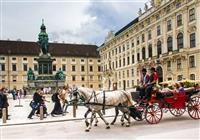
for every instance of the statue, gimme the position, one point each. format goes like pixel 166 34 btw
pixel 146 7
pixel 152 3
pixel 140 12
pixel 30 74
pixel 60 75
pixel 43 39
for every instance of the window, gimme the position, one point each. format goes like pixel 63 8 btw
pixel 169 44
pixel 158 30
pixel 91 59
pixel 128 60
pixel 124 61
pixel 169 25
pixel 138 56
pixel 14 67
pixel 132 44
pixel 192 76
pixel 133 59
pixel 143 38
pixel 63 59
pixel 150 50
pixel 99 68
pixel 178 62
pixel 132 72
pixel 123 74
pixel 25 59
pixel 35 59
pixel 123 48
pixel 192 40
pixel 113 65
pixel 73 68
pixel 127 45
pixel 25 67
pixel 82 68
pixel 2 67
pixel 143 53
pixel 191 61
pixel 116 64
pixel 119 75
pixel 127 83
pixel 179 20
pixel 159 48
pixel 2 58
pixel 91 86
pixel 120 63
pixel 63 67
pixel 127 72
pixel 91 77
pixel 138 40
pixel 99 77
pixel 73 60
pixel 54 67
pixel 168 65
pixel 82 78
pixel 180 41
pixel 192 14
pixel 35 67
pixel 179 77
pixel 13 58
pixel 82 60
pixel 83 85
pixel 98 60
pixel 149 35
pixel 14 78
pixel 73 78
pixel 91 68
pixel 119 49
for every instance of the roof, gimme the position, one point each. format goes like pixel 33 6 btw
pixel 55 49
pixel 127 26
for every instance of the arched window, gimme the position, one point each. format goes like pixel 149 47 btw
pixel 192 76
pixel 180 41
pixel 169 44
pixel 150 50
pixel 159 48
pixel 143 53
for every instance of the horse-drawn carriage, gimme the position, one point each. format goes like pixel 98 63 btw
pixel 152 109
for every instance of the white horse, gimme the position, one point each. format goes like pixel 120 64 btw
pixel 99 101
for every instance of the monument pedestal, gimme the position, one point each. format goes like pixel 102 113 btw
pixel 45 65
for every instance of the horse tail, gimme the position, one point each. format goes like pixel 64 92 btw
pixel 129 98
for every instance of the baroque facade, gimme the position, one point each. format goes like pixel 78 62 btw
pixel 80 63
pixel 166 36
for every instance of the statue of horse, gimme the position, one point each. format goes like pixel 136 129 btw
pixel 96 102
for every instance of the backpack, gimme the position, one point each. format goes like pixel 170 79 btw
pixel 53 97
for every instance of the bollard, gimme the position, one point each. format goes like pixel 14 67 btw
pixel 4 115
pixel 41 113
pixel 74 110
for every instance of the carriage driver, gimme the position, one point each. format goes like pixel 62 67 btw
pixel 152 81
pixel 144 82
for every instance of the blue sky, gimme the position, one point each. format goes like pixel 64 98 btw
pixel 78 21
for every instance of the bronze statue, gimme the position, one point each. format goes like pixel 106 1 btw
pixel 43 39
pixel 60 75
pixel 30 75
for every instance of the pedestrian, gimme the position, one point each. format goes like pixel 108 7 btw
pixel 35 103
pixel 42 103
pixel 4 101
pixel 144 81
pixel 57 110
pixel 13 92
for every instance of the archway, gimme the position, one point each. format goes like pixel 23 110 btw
pixel 159 71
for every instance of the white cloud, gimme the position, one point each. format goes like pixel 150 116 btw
pixel 77 21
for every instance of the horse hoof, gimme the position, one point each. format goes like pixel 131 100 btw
pixel 112 123
pixel 87 124
pixel 87 130
pixel 95 124
pixel 122 124
pixel 108 127
pixel 128 125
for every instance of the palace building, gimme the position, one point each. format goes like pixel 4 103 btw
pixel 165 35
pixel 80 63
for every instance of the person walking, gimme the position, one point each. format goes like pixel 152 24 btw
pixel 57 110
pixel 4 101
pixel 35 103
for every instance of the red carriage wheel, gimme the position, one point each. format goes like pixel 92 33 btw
pixel 194 107
pixel 153 114
pixel 177 111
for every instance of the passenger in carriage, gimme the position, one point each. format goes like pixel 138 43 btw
pixel 144 81
pixel 181 88
pixel 152 81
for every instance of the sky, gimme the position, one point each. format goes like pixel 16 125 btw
pixel 69 21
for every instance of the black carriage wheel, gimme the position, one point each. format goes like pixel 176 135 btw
pixel 141 109
pixel 153 114
pixel 194 108
pixel 177 111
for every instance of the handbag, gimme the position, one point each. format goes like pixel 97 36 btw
pixel 33 104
